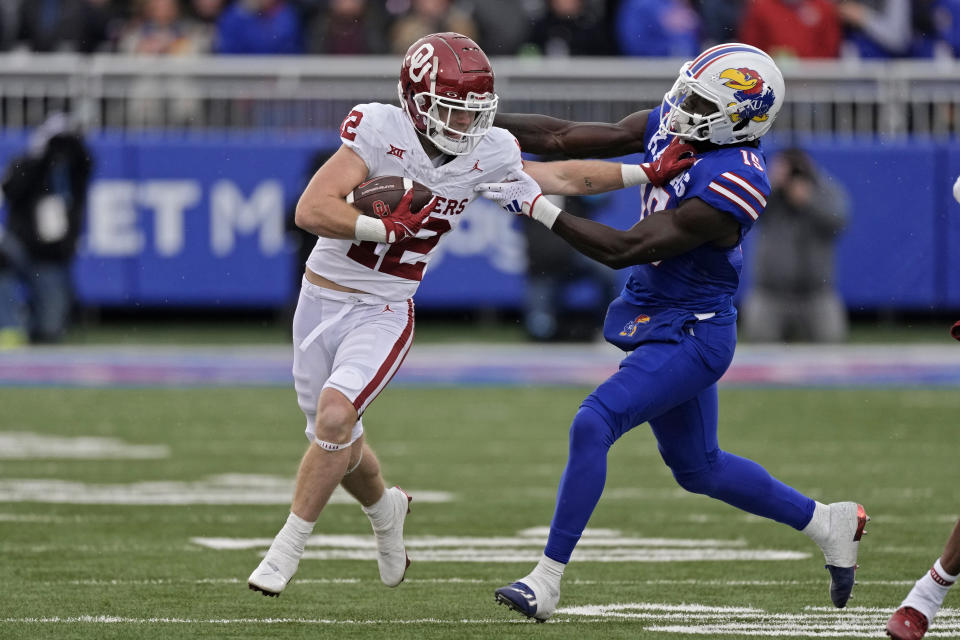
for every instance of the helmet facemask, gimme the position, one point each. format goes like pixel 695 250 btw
pixel 439 130
pixel 446 89
pixel 686 124
pixel 739 91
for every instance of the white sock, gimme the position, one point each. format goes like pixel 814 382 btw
pixel 292 537
pixel 818 529
pixel 380 512
pixel 928 592
pixel 549 570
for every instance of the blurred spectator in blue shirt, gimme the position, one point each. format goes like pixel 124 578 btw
pixel 947 20
pixel 259 27
pixel 889 28
pixel 571 28
pixel 664 28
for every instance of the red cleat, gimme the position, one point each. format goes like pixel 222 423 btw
pixel 907 623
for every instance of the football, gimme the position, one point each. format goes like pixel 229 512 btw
pixel 378 197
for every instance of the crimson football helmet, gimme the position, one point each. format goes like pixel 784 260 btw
pixel 447 71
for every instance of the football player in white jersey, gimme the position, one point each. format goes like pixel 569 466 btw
pixel 354 320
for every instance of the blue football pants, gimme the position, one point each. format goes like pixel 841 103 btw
pixel 673 387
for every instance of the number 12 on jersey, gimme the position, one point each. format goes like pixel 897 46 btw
pixel 389 262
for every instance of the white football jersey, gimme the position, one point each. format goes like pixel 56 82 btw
pixel 385 138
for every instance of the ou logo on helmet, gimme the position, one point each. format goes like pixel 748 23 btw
pixel 420 62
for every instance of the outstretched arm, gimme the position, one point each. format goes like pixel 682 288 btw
pixel 545 135
pixel 659 236
pixel 576 177
pixel 585 177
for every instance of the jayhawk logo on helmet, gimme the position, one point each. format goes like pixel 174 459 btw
pixel 750 92
pixel 743 84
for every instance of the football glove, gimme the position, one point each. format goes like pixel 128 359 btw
pixel 522 195
pixel 400 225
pixel 675 159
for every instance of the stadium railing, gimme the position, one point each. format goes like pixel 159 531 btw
pixel 120 93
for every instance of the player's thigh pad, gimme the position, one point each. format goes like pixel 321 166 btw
pixel 371 351
pixel 659 376
pixel 329 329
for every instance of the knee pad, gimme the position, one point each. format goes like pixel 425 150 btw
pixel 590 428
pixel 336 446
pixel 331 446
pixel 704 481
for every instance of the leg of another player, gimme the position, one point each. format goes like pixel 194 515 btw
pixel 921 605
pixel 387 510
pixel 652 379
pixel 321 470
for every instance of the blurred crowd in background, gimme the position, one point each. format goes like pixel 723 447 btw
pixel 675 28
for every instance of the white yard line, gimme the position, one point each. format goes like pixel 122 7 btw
pixel 95 582
pixel 688 618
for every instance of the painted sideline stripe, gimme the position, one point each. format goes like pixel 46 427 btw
pixel 219 489
pixel 30 517
pixel 323 621
pixel 516 555
pixel 816 622
pixel 458 542
pixel 476 364
pixel 647 583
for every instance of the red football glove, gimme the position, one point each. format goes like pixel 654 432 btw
pixel 670 163
pixel 404 223
pixel 955 330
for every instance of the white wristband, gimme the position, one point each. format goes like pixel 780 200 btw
pixel 633 174
pixel 544 211
pixel 370 229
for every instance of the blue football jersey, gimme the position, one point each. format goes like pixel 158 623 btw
pixel 704 280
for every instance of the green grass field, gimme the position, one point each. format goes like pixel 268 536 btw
pixel 486 461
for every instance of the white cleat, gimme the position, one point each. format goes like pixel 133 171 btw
pixel 273 574
pixel 847 521
pixel 392 558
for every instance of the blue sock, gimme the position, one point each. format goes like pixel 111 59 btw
pixel 746 485
pixel 581 484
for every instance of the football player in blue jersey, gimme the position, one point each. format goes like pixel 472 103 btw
pixel 675 316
